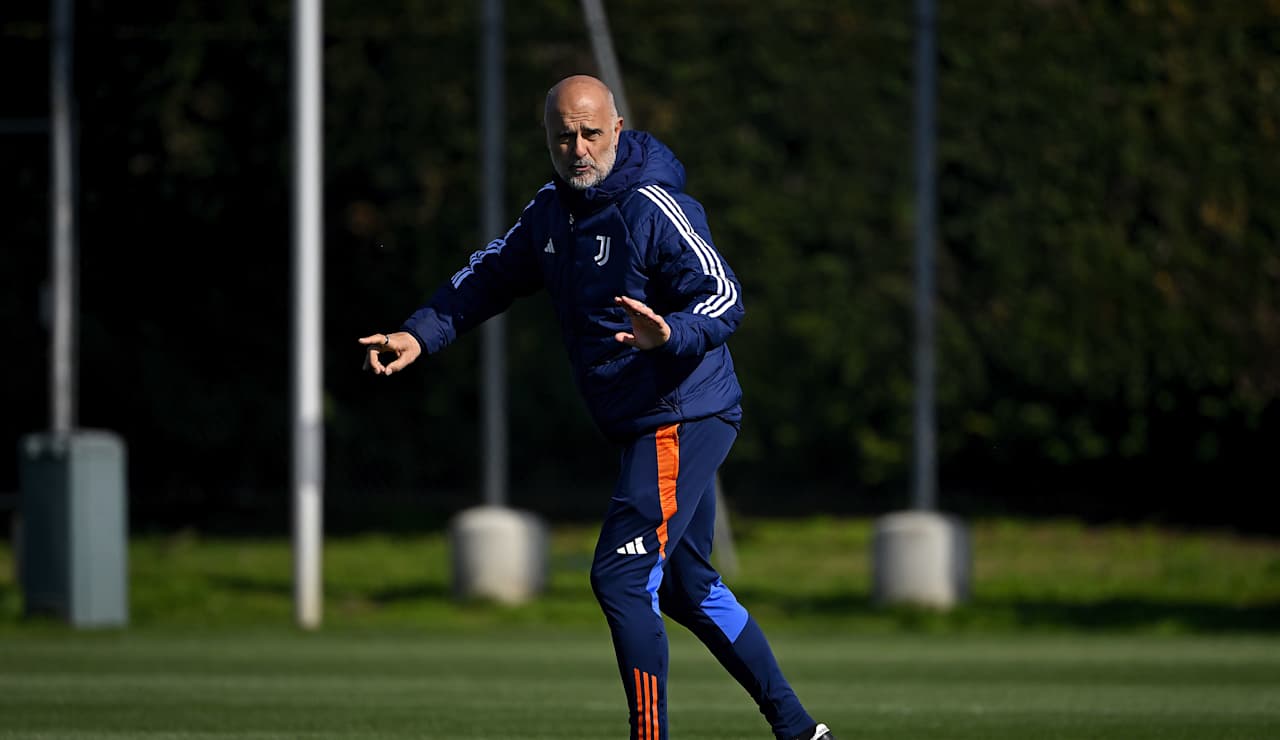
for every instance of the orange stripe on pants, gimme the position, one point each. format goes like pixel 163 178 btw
pixel 667 441
pixel 656 731
pixel 639 707
pixel 647 723
pixel 648 710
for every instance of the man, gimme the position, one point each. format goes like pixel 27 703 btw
pixel 645 304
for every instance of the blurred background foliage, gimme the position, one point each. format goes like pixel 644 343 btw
pixel 1108 261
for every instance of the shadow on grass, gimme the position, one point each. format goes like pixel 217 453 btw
pixel 1130 613
pixel 410 592
pixel 249 585
pixel 403 592
pixel 1114 614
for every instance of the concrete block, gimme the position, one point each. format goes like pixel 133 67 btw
pixel 73 549
pixel 499 554
pixel 920 558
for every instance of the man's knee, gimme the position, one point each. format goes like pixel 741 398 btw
pixel 608 581
pixel 597 581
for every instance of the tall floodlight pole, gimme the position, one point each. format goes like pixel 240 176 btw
pixel 62 267
pixel 493 340
pixel 925 481
pixel 308 308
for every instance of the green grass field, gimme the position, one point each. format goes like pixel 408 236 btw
pixel 1073 632
pixel 552 683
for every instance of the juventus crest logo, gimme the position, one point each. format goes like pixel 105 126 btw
pixel 602 256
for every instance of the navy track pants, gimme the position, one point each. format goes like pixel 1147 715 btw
pixel 654 557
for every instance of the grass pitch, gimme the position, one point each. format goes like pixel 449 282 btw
pixel 552 683
pixel 1078 632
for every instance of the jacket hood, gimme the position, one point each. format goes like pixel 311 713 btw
pixel 642 160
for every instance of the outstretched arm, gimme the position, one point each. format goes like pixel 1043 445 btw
pixel 492 278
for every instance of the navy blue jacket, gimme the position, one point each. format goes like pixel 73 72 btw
pixel 636 234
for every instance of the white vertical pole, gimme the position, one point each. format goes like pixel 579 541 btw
pixel 308 429
pixel 62 187
pixel 925 479
pixel 493 349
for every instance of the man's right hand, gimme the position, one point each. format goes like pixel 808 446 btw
pixel 401 344
pixel 648 329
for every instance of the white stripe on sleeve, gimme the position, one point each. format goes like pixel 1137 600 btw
pixel 492 247
pixel 726 294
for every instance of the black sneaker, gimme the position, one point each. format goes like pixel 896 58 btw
pixel 820 732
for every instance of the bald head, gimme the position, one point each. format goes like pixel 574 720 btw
pixel 582 126
pixel 578 91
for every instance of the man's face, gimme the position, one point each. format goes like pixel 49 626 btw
pixel 582 136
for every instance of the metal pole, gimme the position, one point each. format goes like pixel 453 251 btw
pixel 925 493
pixel 63 258
pixel 606 59
pixel 493 349
pixel 308 429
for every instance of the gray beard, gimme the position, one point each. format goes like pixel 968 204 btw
pixel 593 178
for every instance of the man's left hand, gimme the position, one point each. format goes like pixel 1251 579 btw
pixel 648 329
